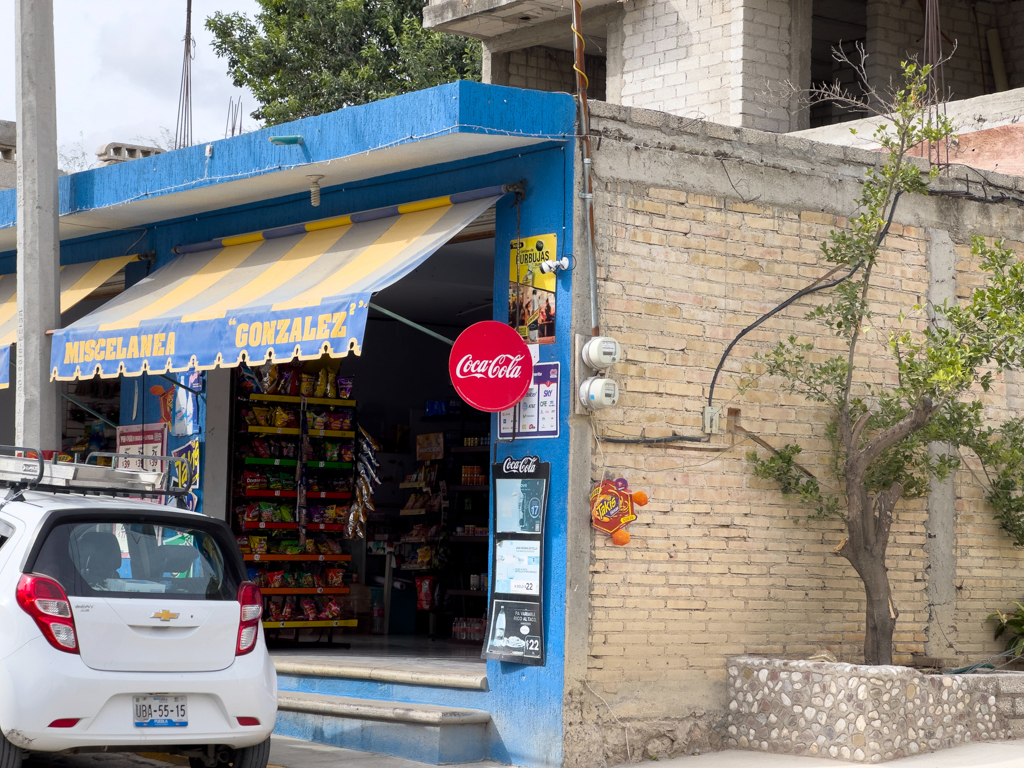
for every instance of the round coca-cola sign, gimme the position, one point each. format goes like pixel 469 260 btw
pixel 490 366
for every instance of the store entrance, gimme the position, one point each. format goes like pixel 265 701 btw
pixel 394 469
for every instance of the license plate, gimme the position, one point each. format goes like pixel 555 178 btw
pixel 160 711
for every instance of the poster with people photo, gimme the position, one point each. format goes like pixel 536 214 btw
pixel 531 294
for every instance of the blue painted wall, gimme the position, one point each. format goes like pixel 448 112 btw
pixel 525 702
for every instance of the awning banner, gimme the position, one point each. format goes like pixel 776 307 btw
pixel 262 297
pixel 77 281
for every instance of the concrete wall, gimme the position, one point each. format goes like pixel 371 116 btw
pixel 701 229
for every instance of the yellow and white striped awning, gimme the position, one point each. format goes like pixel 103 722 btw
pixel 300 291
pixel 77 281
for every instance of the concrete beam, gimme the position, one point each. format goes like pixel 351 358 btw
pixel 38 243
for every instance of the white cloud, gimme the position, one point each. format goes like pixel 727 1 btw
pixel 119 69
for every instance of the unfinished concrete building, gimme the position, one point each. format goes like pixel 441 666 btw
pixel 729 61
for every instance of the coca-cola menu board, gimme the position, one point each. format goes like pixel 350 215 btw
pixel 516 625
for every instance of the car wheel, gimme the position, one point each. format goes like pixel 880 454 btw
pixel 10 755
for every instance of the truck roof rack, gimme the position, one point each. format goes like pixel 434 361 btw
pixel 24 469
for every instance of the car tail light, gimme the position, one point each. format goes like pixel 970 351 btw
pixel 248 720
pixel 250 600
pixel 46 601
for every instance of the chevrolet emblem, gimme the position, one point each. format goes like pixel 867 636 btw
pixel 164 615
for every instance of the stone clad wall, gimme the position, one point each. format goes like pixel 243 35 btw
pixel 863 714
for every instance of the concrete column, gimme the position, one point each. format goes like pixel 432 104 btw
pixel 800 36
pixel 614 58
pixel 494 68
pixel 941 529
pixel 216 451
pixel 36 412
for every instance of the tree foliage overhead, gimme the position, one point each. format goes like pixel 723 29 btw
pixel 307 57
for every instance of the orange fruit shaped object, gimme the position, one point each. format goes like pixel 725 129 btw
pixel 620 537
pixel 611 505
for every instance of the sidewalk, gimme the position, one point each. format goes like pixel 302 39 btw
pixel 1002 754
pixel 294 753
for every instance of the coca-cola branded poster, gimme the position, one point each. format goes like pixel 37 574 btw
pixel 516 616
pixel 490 366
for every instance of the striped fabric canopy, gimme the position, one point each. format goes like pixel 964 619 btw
pixel 299 291
pixel 77 281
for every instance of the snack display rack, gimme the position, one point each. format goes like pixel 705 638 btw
pixel 294 477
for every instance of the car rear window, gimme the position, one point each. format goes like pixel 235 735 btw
pixel 136 560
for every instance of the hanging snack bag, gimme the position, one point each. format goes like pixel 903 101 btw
pixel 424 593
pixel 308 385
pixel 269 379
pixel 284 379
pixel 247 381
pixel 344 386
pixel 321 383
pixel 332 384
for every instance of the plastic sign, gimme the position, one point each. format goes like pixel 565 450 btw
pixel 490 366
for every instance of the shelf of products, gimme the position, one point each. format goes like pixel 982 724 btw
pixel 256 461
pixel 264 558
pixel 309 624
pixel 258 397
pixel 253 525
pixel 467 592
pixel 298 518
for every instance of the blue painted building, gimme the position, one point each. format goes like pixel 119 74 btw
pixel 435 144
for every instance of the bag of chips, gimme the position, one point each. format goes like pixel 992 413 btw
pixel 269 378
pixel 321 383
pixel 309 609
pixel 254 481
pixel 335 546
pixel 290 580
pixel 306 580
pixel 243 544
pixel 266 512
pixel 289 450
pixel 308 385
pixel 290 608
pixel 344 386
pixel 285 514
pixel 331 609
pixel 258 544
pixel 274 610
pixel 247 381
pixel 335 577
pixel 331 451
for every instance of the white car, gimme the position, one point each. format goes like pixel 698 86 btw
pixel 129 626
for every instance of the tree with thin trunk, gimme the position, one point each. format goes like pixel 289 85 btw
pixel 941 359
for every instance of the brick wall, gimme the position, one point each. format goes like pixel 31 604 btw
pixel 699 232
pixel 550 69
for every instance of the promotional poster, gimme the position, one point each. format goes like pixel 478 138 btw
pixel 516 617
pixel 531 294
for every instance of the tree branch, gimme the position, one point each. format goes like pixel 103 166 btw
pixel 909 424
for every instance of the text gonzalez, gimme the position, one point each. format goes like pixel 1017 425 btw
pixel 289 330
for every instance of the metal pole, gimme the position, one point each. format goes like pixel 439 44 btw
pixel 36 409
pixel 411 324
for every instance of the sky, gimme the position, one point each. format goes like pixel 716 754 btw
pixel 118 68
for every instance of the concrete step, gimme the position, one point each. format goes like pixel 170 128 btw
pixel 466 676
pixel 422 732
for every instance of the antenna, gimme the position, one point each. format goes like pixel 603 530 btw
pixel 233 126
pixel 183 128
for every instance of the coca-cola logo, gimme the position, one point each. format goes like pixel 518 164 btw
pixel 524 466
pixel 490 366
pixel 498 367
